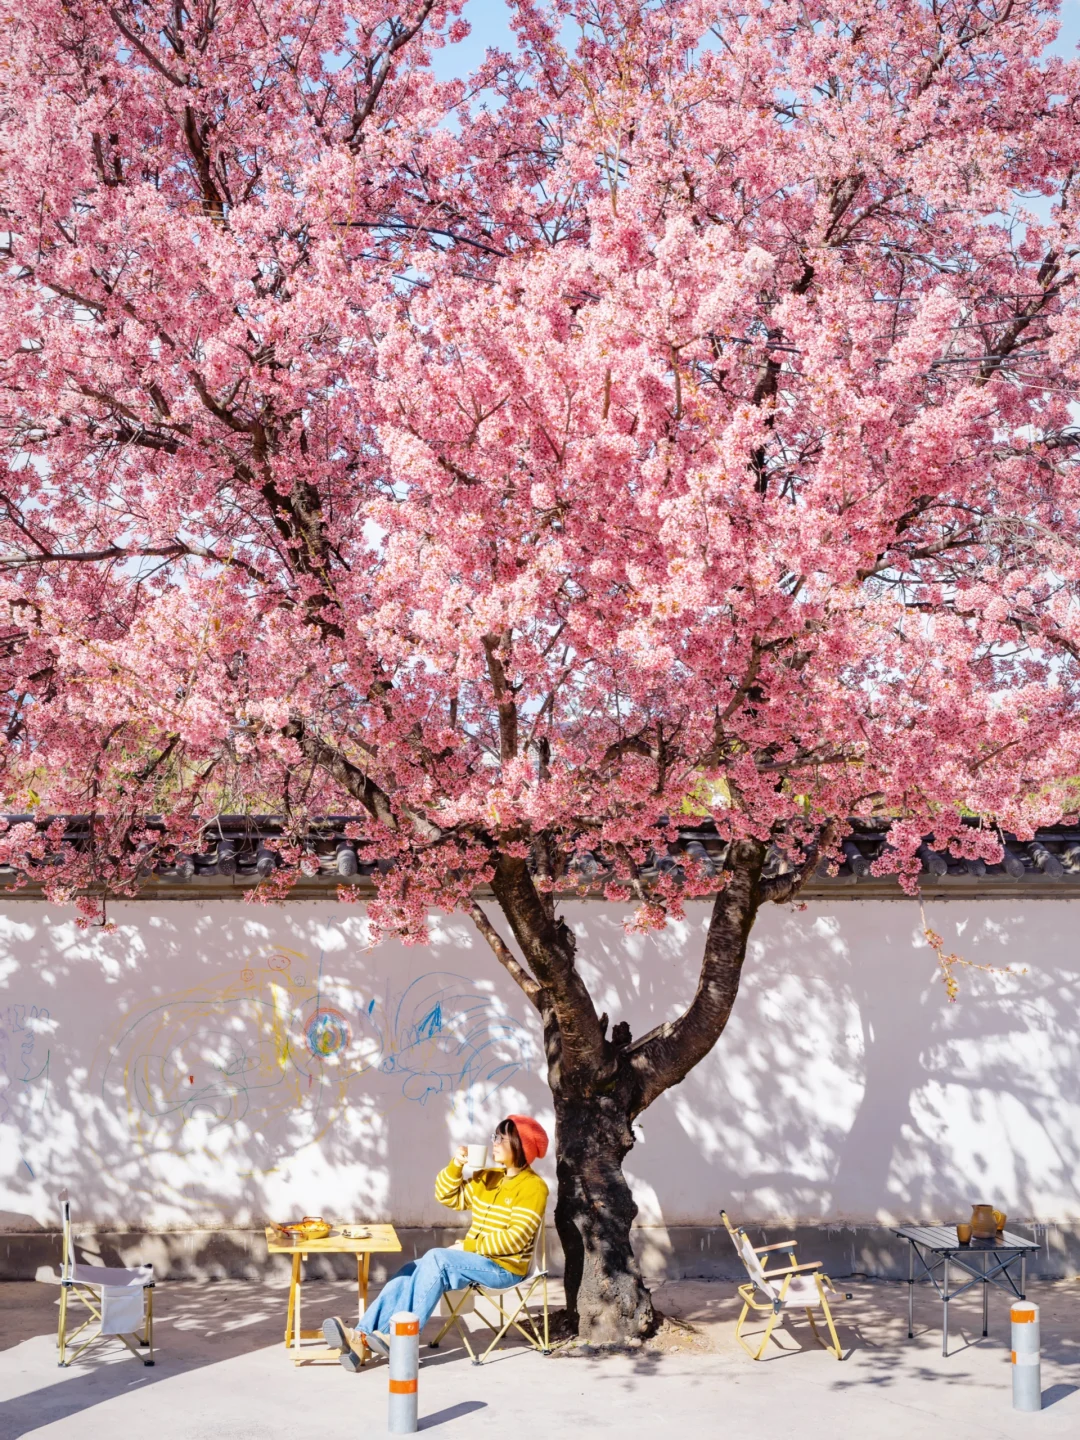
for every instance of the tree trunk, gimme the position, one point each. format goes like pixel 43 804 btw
pixel 606 1298
pixel 600 1084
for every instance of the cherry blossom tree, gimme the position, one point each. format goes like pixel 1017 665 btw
pixel 671 422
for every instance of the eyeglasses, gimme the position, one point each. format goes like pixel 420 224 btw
pixel 496 1137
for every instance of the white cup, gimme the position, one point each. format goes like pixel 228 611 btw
pixel 477 1156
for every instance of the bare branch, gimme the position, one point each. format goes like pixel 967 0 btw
pixel 144 50
pixel 505 956
pixel 401 37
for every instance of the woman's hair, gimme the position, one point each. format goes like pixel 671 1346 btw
pixel 510 1130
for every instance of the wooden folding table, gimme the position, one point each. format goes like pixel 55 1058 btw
pixel 363 1241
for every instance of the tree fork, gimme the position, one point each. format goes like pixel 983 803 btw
pixel 600 1085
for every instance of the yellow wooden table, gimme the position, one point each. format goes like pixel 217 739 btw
pixel 363 1241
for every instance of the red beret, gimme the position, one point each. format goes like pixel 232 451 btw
pixel 534 1140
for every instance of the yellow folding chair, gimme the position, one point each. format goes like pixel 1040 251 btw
pixel 510 1308
pixel 792 1287
pixel 120 1301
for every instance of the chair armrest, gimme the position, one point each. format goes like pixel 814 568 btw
pixel 793 1269
pixel 779 1245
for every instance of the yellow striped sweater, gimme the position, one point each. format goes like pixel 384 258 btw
pixel 506 1211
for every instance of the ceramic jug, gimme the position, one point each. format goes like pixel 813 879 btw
pixel 983 1224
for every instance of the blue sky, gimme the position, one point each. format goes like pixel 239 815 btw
pixel 489 27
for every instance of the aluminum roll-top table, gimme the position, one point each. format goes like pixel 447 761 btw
pixel 934 1249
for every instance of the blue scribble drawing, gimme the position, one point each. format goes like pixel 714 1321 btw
pixel 431 1024
pixel 444 1036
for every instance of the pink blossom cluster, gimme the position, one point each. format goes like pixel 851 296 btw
pixel 672 420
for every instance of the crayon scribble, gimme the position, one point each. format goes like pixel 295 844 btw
pixel 262 1049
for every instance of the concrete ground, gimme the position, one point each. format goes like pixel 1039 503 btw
pixel 222 1373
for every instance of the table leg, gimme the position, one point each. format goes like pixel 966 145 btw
pixel 1023 1277
pixel 293 1281
pixel 945 1311
pixel 910 1289
pixel 299 1292
pixel 364 1281
pixel 986 1299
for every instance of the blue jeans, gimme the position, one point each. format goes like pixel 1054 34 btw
pixel 419 1285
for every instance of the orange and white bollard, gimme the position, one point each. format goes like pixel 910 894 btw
pixel 404 1369
pixel 1026 1369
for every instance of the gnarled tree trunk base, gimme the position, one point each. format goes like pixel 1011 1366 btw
pixel 607 1300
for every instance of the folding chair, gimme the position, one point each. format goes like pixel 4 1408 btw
pixel 796 1290
pixel 121 1301
pixel 458 1303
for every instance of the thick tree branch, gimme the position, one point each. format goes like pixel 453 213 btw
pixel 175 550
pixel 779 889
pixel 548 945
pixel 668 1053
pixel 504 695
pixel 361 787
pixel 136 41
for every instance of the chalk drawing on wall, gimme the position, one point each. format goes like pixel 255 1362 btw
pixel 328 1032
pixel 443 1036
pixel 25 1058
pixel 259 1050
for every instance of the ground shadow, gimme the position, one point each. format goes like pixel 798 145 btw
pixel 196 1325
pixel 452 1412
pixel 1057 1392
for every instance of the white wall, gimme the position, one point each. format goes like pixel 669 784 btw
pixel 169 1074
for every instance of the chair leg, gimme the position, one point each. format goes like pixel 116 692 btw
pixel 835 1346
pixel 769 1328
pixel 520 1319
pixel 523 1320
pixel 61 1332
pixel 452 1319
pixel 457 1320
pixel 462 1330
pixel 505 1325
pixel 434 1344
pixel 126 1340
pixel 149 1332
pixel 738 1331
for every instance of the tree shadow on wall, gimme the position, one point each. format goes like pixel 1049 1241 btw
pixel 211 1062
pixel 846 1086
pixel 223 1061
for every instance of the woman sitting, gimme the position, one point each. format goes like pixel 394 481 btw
pixel 507 1205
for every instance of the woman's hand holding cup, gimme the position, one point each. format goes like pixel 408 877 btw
pixel 472 1156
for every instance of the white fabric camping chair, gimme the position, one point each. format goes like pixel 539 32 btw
pixel 120 1301
pixel 510 1308
pixel 775 1292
